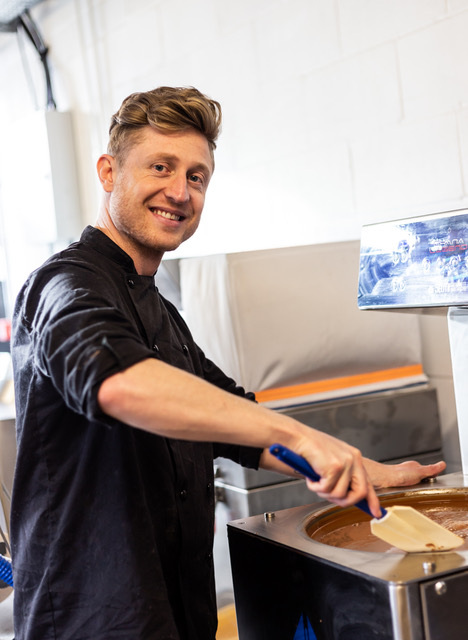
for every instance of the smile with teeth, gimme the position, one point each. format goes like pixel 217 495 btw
pixel 165 214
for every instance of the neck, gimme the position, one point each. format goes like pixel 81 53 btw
pixel 146 262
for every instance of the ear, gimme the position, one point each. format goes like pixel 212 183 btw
pixel 106 168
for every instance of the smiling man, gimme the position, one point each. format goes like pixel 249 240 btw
pixel 120 414
pixel 155 193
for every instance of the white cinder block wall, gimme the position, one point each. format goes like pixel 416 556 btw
pixel 337 113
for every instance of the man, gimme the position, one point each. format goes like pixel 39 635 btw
pixel 120 414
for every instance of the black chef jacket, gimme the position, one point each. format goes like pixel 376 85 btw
pixel 111 526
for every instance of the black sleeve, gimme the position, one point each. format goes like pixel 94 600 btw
pixel 76 336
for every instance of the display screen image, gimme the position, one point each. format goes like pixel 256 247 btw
pixel 416 262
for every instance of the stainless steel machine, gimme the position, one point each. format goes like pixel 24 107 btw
pixel 289 586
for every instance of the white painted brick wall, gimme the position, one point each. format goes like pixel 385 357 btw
pixel 433 64
pixel 356 94
pixel 411 166
pixel 368 23
pixel 296 37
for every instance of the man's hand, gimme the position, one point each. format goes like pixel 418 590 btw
pixel 400 475
pixel 343 477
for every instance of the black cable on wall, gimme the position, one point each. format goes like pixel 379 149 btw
pixel 15 16
pixel 27 23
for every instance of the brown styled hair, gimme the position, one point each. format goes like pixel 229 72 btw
pixel 168 109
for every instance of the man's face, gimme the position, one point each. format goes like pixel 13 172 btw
pixel 158 192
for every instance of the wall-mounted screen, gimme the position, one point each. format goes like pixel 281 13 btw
pixel 416 262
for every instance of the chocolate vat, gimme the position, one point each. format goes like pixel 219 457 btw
pixel 300 573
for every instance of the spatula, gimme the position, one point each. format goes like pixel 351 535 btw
pixel 400 526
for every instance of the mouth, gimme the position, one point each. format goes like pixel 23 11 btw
pixel 166 214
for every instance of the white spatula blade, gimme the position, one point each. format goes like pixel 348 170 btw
pixel 405 528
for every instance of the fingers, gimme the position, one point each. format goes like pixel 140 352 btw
pixel 346 493
pixel 344 480
pixel 336 479
pixel 373 502
pixel 432 470
pixel 411 472
pixel 401 475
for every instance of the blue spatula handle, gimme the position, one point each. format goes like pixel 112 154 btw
pixel 300 464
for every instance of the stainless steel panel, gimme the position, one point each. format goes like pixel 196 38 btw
pixel 404 602
pixel 232 474
pixel 393 424
pixel 246 502
pixel 444 605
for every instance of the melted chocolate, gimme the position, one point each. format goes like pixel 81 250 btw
pixel 350 528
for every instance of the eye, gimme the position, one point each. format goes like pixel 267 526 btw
pixel 197 179
pixel 159 167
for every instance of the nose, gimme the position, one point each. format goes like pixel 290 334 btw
pixel 177 189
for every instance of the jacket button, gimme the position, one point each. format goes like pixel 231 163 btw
pixel 131 283
pixel 183 494
pixel 155 347
pixel 185 349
